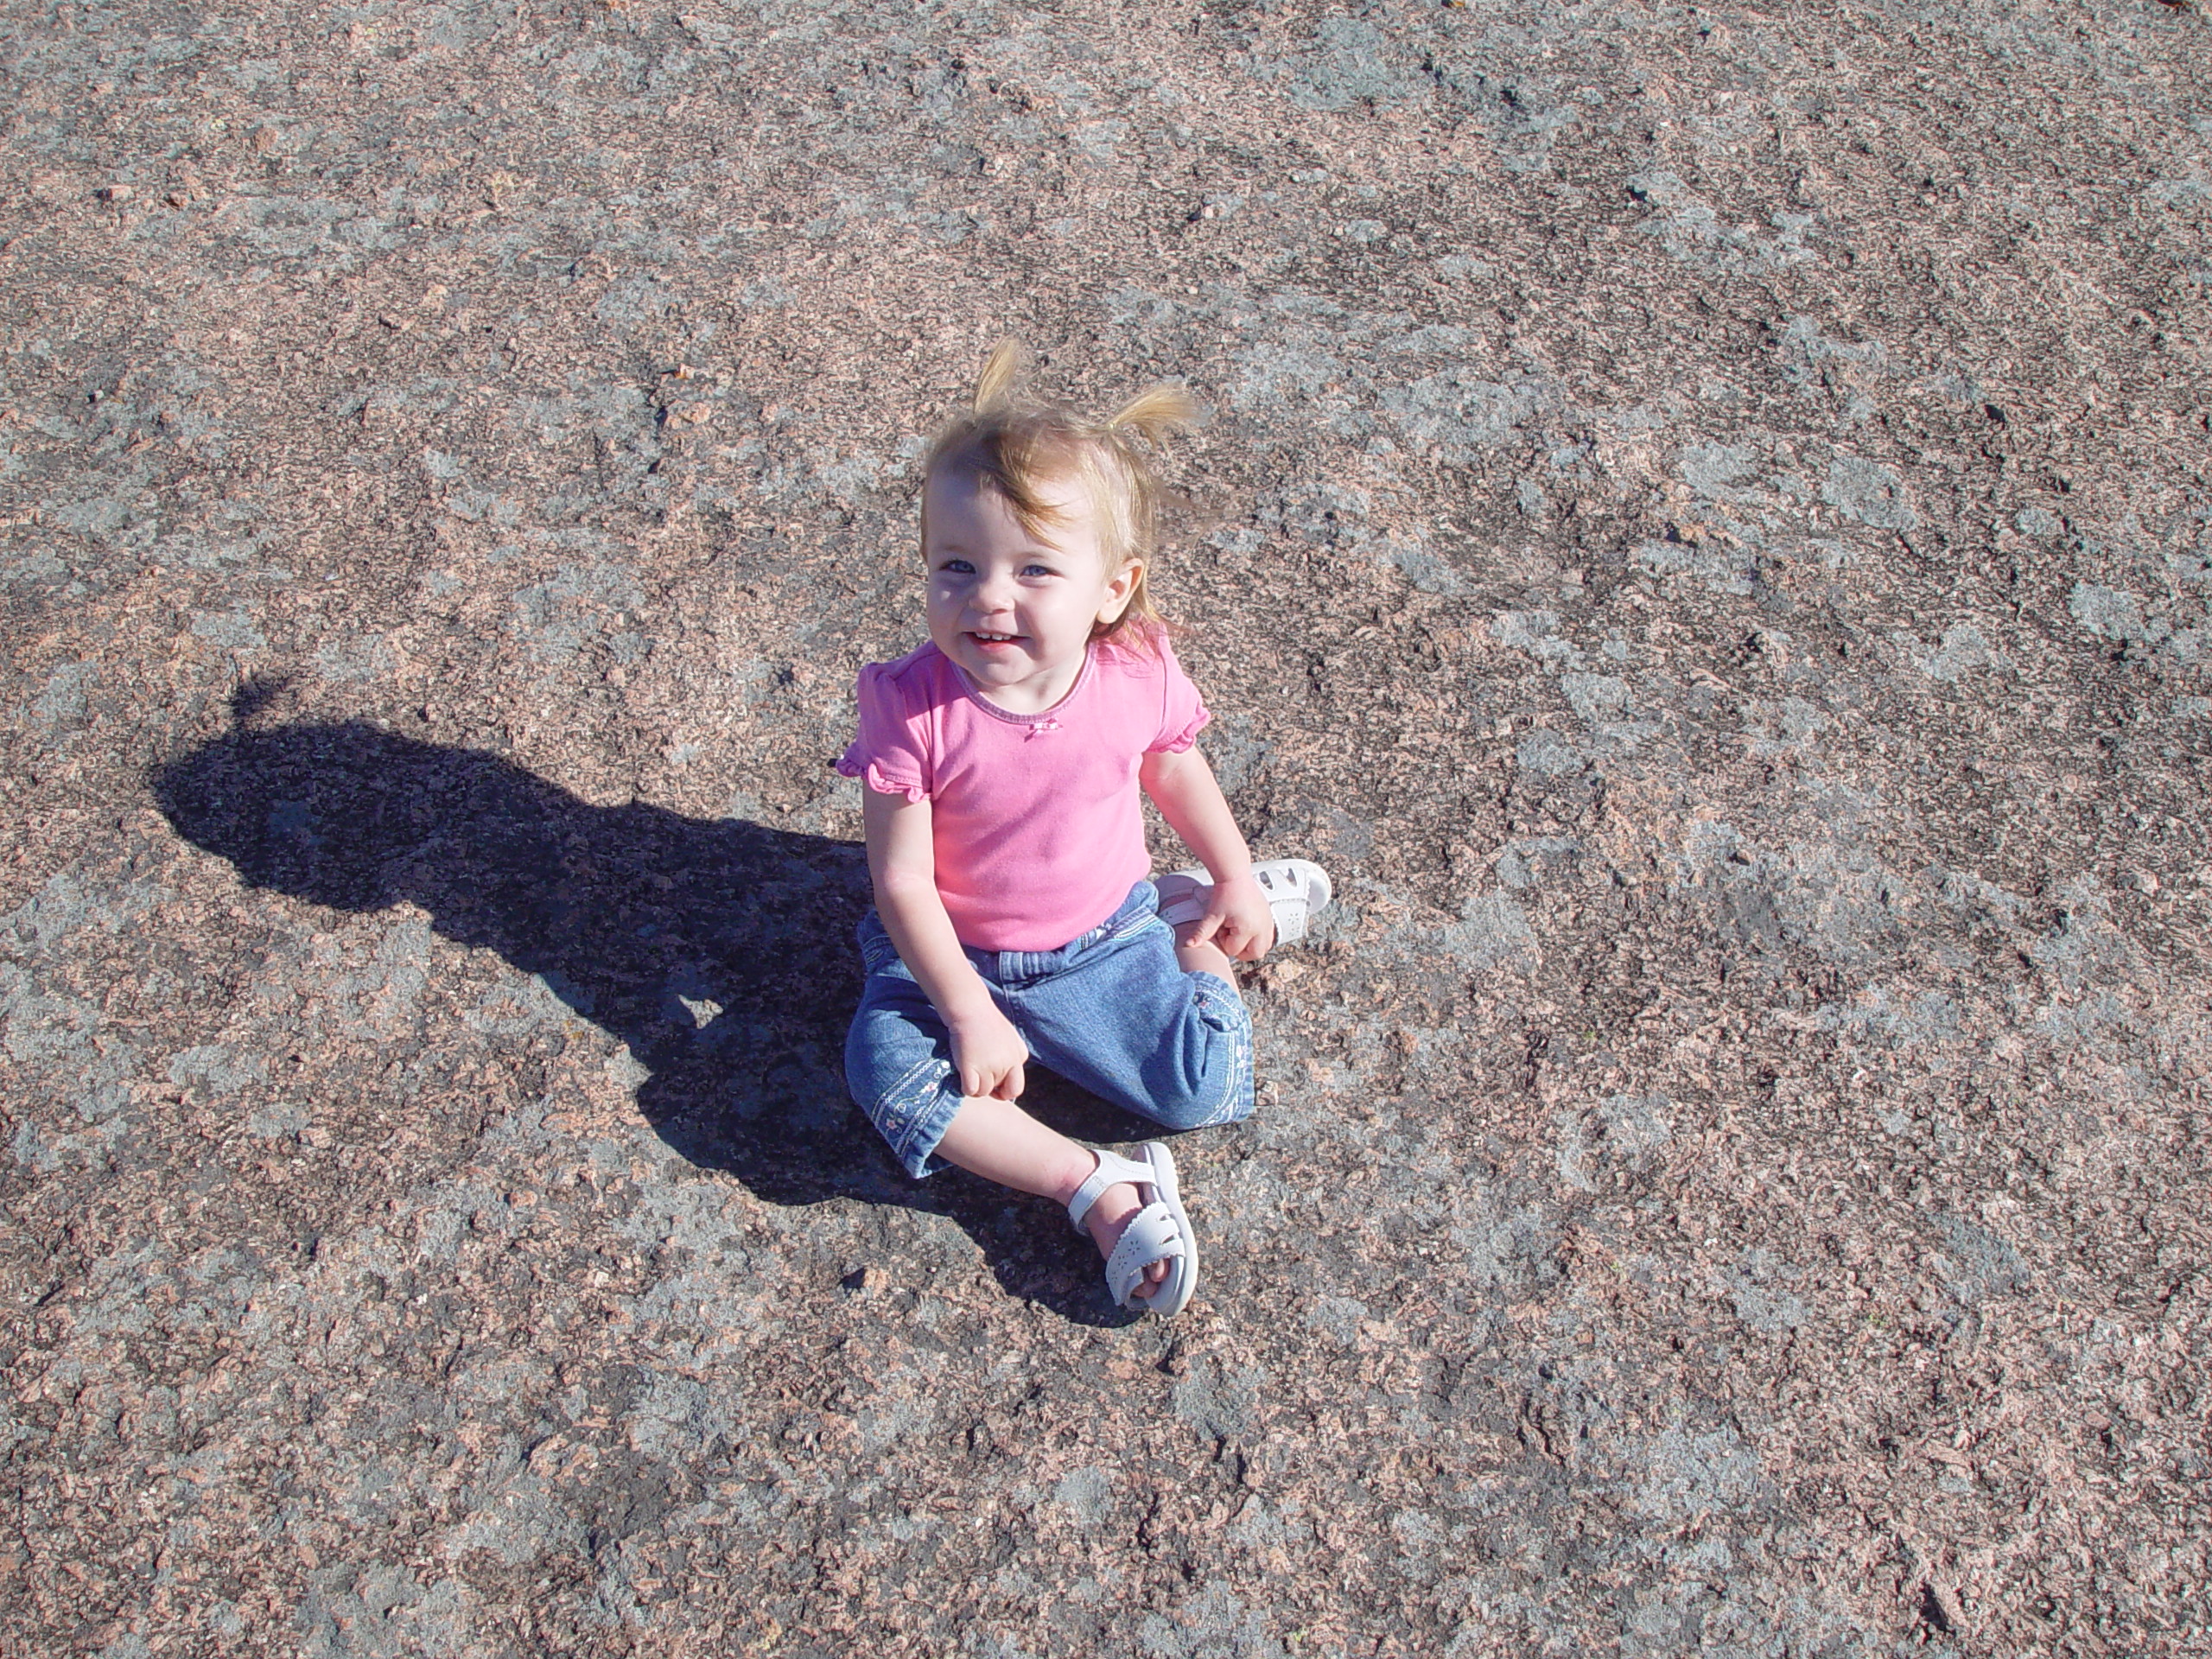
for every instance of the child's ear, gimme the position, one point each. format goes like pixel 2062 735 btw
pixel 1120 588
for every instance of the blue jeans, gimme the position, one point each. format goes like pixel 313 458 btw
pixel 1112 1012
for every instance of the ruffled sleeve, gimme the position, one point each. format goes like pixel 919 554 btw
pixel 1183 715
pixel 887 754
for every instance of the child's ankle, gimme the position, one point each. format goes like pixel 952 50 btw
pixel 1077 1171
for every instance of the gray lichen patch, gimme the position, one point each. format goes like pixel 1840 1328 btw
pixel 1693 233
pixel 1868 493
pixel 1962 649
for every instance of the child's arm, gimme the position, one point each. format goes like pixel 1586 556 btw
pixel 1238 921
pixel 987 1050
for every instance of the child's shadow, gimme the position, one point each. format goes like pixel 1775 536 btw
pixel 720 951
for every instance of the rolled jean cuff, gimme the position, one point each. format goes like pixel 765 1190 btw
pixel 913 1115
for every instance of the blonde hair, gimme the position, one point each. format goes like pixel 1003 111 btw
pixel 1017 445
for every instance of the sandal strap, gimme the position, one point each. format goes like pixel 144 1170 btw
pixel 1152 1235
pixel 1113 1168
pixel 1292 885
pixel 1183 896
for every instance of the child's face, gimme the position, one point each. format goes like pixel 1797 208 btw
pixel 1015 609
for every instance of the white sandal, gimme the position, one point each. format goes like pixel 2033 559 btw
pixel 1160 1231
pixel 1298 889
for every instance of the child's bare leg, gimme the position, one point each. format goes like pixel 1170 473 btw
pixel 1201 958
pixel 997 1140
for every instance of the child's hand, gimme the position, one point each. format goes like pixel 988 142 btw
pixel 988 1053
pixel 1238 922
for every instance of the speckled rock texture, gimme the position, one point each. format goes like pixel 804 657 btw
pixel 1702 523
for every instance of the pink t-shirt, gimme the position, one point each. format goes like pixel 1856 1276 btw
pixel 1039 833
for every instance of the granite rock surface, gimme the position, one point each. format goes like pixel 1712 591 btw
pixel 1702 523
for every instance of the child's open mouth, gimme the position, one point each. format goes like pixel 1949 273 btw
pixel 989 641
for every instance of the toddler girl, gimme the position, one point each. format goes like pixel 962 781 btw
pixel 1013 912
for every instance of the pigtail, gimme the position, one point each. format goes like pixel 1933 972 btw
pixel 1155 413
pixel 1002 372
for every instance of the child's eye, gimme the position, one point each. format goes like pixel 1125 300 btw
pixel 957 567
pixel 1038 570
